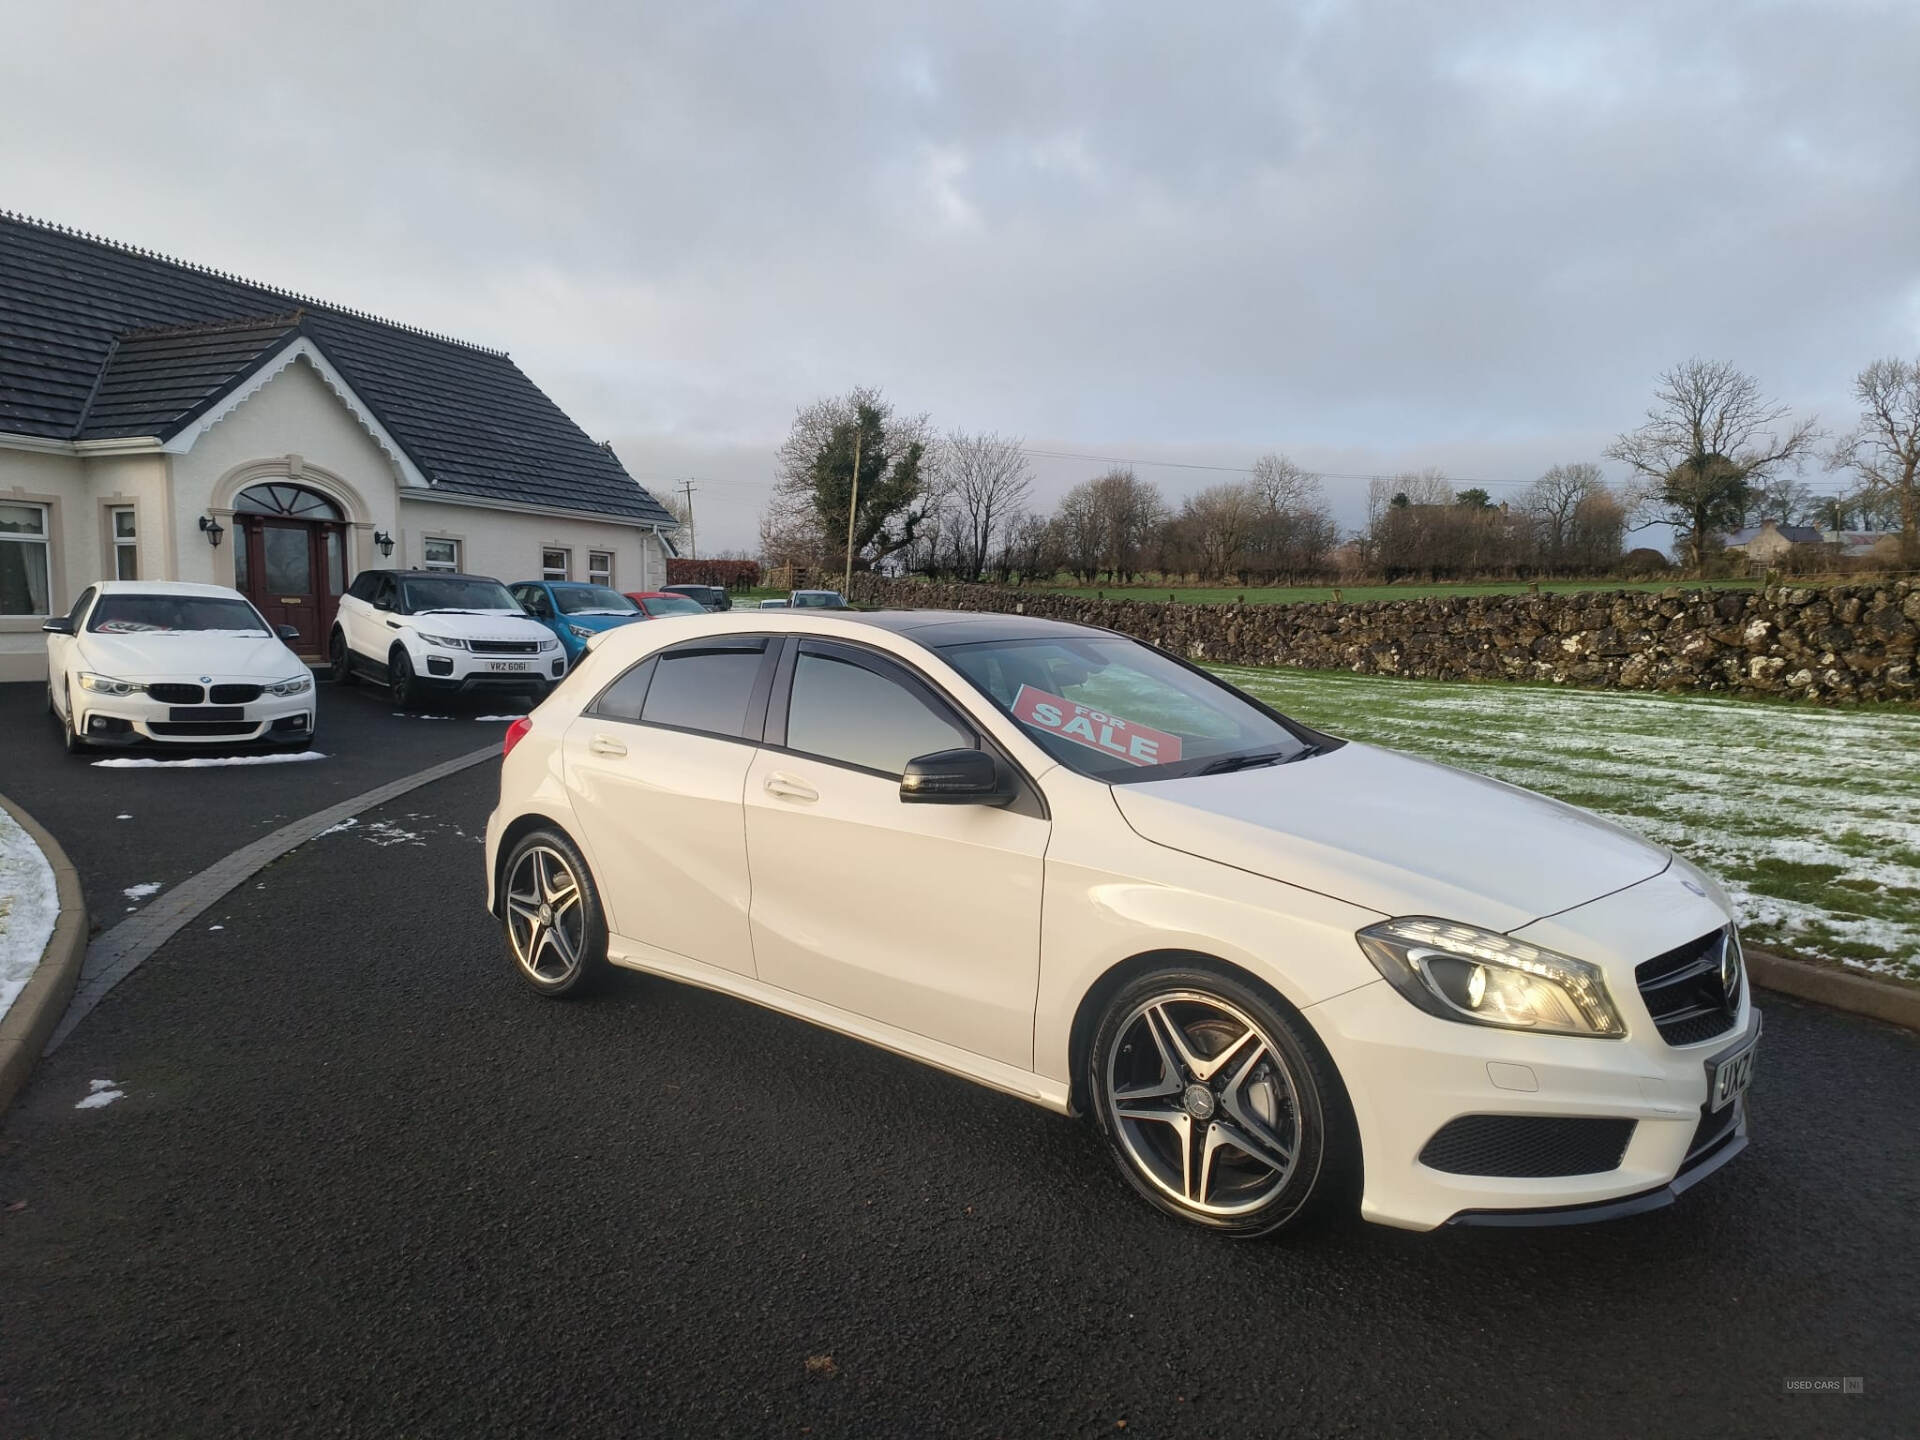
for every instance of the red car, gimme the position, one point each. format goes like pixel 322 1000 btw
pixel 655 603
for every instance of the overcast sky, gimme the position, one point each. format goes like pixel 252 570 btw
pixel 1374 236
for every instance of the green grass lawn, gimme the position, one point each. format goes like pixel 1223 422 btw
pixel 1809 816
pixel 1317 594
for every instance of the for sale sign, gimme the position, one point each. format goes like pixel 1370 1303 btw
pixel 1123 739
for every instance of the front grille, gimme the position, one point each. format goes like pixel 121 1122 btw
pixel 1528 1146
pixel 234 694
pixel 1684 993
pixel 203 727
pixel 177 694
pixel 505 647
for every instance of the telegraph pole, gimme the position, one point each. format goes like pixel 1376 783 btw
pixel 853 506
pixel 693 547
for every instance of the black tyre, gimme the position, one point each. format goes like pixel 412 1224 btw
pixel 1218 1107
pixel 556 931
pixel 401 680
pixel 72 739
pixel 339 659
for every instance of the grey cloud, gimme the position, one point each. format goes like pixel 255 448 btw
pixel 1396 234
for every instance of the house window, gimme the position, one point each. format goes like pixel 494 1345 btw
pixel 556 564
pixel 600 567
pixel 126 549
pixel 440 555
pixel 23 559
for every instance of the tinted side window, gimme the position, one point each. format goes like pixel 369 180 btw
pixel 363 583
pixel 383 590
pixel 622 699
pixel 844 711
pixel 705 688
pixel 80 606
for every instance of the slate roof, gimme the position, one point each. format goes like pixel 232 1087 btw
pixel 1794 534
pixel 101 340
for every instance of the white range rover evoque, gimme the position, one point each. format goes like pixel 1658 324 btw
pixel 1276 967
pixel 423 633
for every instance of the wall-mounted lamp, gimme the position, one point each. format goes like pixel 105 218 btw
pixel 212 529
pixel 385 541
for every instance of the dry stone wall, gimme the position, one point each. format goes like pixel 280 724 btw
pixel 1842 643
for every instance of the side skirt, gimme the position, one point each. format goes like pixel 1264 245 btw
pixel 994 1074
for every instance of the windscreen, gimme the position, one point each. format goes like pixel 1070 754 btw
pixel 1119 711
pixel 593 600
pixel 454 593
pixel 173 614
pixel 674 605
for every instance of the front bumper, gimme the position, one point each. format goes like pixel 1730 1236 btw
pixel 123 720
pixel 452 672
pixel 1409 1074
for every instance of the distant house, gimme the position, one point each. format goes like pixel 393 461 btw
pixel 151 410
pixel 1881 546
pixel 1770 539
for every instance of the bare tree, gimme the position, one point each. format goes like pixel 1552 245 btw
pixel 1883 450
pixel 986 480
pixel 1783 497
pixel 1217 528
pixel 1552 502
pixel 1708 438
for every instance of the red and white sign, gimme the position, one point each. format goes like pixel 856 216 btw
pixel 1126 740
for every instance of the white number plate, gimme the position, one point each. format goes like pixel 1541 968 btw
pixel 506 664
pixel 1728 1076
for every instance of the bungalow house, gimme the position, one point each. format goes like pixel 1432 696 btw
pixel 1770 539
pixel 159 420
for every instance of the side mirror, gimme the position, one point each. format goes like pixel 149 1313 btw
pixel 58 625
pixel 383 604
pixel 956 777
pixel 287 632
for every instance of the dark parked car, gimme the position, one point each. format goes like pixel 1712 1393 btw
pixel 711 597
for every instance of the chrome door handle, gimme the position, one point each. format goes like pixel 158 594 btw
pixel 788 788
pixel 606 745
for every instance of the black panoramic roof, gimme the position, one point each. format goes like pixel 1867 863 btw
pixel 104 341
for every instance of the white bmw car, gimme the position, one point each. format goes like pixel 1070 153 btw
pixel 140 661
pixel 1277 968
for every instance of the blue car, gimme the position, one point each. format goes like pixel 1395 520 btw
pixel 574 612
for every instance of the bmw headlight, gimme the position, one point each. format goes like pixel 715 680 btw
pixel 580 632
pixel 1481 977
pixel 451 642
pixel 297 685
pixel 107 685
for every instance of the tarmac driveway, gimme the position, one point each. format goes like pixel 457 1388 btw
pixel 128 829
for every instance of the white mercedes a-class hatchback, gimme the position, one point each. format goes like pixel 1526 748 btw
pixel 172 663
pixel 1277 968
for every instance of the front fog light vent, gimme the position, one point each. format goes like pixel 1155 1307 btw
pixel 1530 1147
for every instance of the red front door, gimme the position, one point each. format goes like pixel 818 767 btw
pixel 293 570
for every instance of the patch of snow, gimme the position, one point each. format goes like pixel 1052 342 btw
pixel 342 827
pixel 385 832
pixel 99 1093
pixel 204 762
pixel 216 927
pixel 409 715
pixel 123 817
pixel 142 891
pixel 29 905
pixel 502 719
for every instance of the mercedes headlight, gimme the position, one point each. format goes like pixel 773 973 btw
pixel 107 685
pixel 297 685
pixel 1461 972
pixel 450 641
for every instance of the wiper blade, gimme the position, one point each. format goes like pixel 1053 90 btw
pixel 1243 762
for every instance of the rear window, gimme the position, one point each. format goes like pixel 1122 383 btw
pixel 705 688
pixel 591 600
